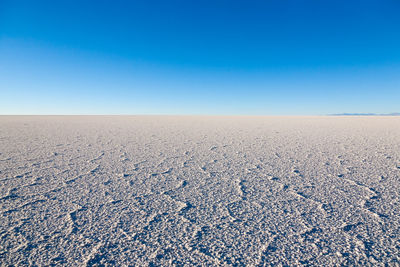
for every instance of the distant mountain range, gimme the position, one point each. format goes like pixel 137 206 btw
pixel 367 114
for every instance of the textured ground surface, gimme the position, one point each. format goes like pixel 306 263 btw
pixel 199 190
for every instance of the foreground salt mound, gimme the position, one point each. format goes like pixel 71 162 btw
pixel 144 190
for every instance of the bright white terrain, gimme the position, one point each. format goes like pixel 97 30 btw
pixel 148 190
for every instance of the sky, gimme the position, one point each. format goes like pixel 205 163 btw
pixel 199 57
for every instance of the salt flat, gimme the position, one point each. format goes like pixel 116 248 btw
pixel 181 190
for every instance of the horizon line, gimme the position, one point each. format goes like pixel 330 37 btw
pixel 227 115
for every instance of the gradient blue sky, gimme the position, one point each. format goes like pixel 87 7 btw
pixel 199 57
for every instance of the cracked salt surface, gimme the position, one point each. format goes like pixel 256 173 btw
pixel 165 190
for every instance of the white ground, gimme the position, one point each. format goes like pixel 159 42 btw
pixel 144 190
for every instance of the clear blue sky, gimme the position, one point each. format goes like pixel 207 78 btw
pixel 199 57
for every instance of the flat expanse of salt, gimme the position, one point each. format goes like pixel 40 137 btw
pixel 180 190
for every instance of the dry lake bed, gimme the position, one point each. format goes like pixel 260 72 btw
pixel 190 191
